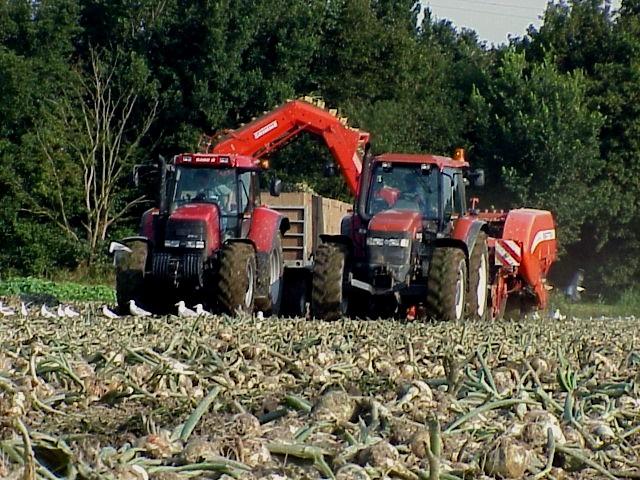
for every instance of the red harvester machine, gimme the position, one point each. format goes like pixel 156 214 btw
pixel 410 240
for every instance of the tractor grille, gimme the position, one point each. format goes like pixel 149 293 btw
pixel 178 269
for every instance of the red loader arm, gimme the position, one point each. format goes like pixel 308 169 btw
pixel 274 129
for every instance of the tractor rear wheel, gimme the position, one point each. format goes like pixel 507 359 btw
pixel 479 279
pixel 273 301
pixel 447 284
pixel 130 281
pixel 330 275
pixel 237 278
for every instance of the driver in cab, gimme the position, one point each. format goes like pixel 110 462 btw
pixel 220 192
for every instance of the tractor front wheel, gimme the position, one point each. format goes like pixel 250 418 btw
pixel 447 284
pixel 237 278
pixel 130 276
pixel 330 275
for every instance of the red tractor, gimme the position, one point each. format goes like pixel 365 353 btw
pixel 413 243
pixel 210 240
pixel 411 240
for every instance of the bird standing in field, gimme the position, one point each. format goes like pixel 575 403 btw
pixel 44 312
pixel 6 311
pixel 201 311
pixel 136 311
pixel 69 312
pixel 184 311
pixel 24 311
pixel 108 313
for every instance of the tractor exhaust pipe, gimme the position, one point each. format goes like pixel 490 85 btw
pixel 163 186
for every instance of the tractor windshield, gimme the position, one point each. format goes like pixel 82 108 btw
pixel 205 185
pixel 404 186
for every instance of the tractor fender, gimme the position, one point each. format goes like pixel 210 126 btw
pixel 466 230
pixel 146 224
pixel 131 253
pixel 265 225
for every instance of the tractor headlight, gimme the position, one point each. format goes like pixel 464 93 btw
pixel 390 242
pixel 172 243
pixel 194 244
pixel 375 242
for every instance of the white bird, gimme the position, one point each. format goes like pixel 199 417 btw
pixel 558 316
pixel 23 310
pixel 136 311
pixel 69 312
pixel 201 311
pixel 184 311
pixel 260 315
pixel 44 312
pixel 60 311
pixel 108 313
pixel 6 311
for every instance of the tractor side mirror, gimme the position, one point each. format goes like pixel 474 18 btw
pixel 275 187
pixel 477 178
pixel 329 170
pixel 142 173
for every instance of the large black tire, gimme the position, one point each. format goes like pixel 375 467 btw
pixel 328 289
pixel 237 278
pixel 271 304
pixel 295 288
pixel 478 304
pixel 130 276
pixel 447 284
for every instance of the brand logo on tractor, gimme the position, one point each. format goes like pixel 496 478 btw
pixel 542 236
pixel 266 129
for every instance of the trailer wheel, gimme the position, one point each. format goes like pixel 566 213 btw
pixel 447 284
pixel 130 281
pixel 479 279
pixel 294 295
pixel 330 275
pixel 237 278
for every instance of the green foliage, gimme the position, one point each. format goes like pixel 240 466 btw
pixel 63 291
pixel 552 118
pixel 536 132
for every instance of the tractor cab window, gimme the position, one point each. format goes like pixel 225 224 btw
pixel 245 186
pixel 404 187
pixel 453 193
pixel 206 185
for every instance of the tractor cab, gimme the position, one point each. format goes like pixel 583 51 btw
pixel 430 186
pixel 408 204
pixel 232 191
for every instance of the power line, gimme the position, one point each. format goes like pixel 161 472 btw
pixel 481 11
pixel 497 4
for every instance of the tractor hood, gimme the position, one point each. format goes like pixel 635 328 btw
pixel 390 221
pixel 190 225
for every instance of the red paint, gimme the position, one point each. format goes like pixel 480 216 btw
pixel 441 162
pixel 279 126
pixel 396 221
pixel 207 160
pixel 209 214
pixel 522 225
pixel 462 228
pixel 146 226
pixel 389 195
pixel 265 224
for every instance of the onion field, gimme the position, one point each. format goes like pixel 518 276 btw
pixel 171 398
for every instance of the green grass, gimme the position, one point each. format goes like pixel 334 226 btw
pixel 63 291
pixel 628 304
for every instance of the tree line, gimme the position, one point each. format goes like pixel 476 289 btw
pixel 88 88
